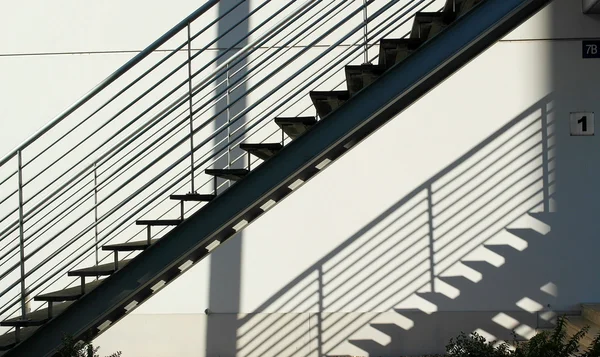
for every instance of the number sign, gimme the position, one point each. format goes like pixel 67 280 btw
pixel 591 48
pixel 582 124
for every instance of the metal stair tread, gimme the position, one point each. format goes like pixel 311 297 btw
pixel 36 318
pixel 129 246
pixel 374 107
pixel 228 174
pixel 327 102
pixel 295 126
pixel 68 294
pixel 103 269
pixel 7 341
pixel 158 222
pixel 193 197
pixel 262 150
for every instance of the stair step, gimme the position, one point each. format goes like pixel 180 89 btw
pixel 8 341
pixel 294 127
pixel 591 312
pixel 327 102
pixel 263 150
pixel 228 174
pixel 361 76
pixel 100 270
pixel 68 294
pixel 129 246
pixel 159 222
pixel 36 318
pixel 193 197
pixel 428 24
pixel 393 51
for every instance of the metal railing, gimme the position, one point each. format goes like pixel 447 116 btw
pixel 153 126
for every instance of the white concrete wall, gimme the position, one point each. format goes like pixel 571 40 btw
pixel 419 232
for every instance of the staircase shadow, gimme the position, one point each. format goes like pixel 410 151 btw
pixel 413 245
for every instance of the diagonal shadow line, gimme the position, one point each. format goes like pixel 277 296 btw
pixel 535 181
pixel 447 169
pixel 403 201
pixel 333 323
pixel 301 337
pixel 499 170
pixel 280 318
pixel 486 180
pixel 473 177
pixel 533 122
pixel 479 197
pixel 397 255
pixel 361 232
pixel 424 236
pixel 427 283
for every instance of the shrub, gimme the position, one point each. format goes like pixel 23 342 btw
pixel 73 348
pixel 545 344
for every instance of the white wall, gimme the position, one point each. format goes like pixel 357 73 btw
pixel 353 263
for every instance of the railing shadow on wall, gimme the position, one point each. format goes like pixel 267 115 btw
pixel 448 245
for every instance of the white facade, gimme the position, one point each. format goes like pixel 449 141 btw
pixel 358 260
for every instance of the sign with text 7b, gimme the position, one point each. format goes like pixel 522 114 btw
pixel 591 48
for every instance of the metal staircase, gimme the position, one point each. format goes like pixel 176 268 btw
pixel 130 166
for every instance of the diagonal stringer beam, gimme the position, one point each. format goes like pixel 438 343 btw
pixel 393 92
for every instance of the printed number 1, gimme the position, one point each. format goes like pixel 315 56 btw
pixel 583 122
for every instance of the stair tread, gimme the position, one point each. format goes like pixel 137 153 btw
pixel 36 318
pixel 193 197
pixel 158 222
pixel 327 102
pixel 129 246
pixel 330 93
pixel 228 174
pixel 7 340
pixel 245 146
pixel 262 150
pixel 102 269
pixel 69 294
pixel 296 120
pixel 295 126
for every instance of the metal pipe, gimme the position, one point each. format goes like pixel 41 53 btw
pixel 135 135
pixel 365 32
pixel 96 212
pixel 178 180
pixel 110 79
pixel 189 62
pixel 151 69
pixel 21 233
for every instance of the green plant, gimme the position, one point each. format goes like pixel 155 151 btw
pixel 554 343
pixel 74 348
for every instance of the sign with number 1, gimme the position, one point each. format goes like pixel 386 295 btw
pixel 582 124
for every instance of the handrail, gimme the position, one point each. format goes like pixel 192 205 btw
pixel 111 78
pixel 128 182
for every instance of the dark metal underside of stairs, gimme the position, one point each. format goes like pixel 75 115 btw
pixel 358 116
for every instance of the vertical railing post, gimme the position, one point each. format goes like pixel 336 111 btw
pixel 431 237
pixel 21 234
pixel 96 213
pixel 365 32
pixel 228 101
pixel 189 50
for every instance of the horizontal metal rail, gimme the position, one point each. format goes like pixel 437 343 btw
pixel 110 79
